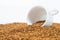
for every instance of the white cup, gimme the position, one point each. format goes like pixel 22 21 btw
pixel 38 13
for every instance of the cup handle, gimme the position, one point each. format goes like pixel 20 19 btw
pixel 54 12
pixel 49 19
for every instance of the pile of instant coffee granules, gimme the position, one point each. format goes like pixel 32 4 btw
pixel 23 31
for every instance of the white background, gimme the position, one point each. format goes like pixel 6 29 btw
pixel 17 10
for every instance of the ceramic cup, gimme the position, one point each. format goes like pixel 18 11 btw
pixel 39 13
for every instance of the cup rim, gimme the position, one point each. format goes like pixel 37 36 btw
pixel 41 8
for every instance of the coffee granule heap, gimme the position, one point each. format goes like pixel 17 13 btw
pixel 23 31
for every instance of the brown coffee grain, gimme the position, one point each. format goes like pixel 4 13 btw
pixel 23 31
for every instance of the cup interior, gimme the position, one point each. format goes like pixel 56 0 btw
pixel 37 14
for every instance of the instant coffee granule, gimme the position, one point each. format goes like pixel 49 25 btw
pixel 23 31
